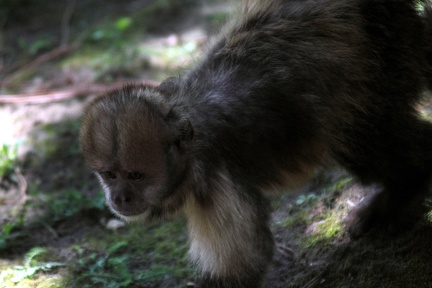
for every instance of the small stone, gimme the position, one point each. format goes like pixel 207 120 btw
pixel 114 224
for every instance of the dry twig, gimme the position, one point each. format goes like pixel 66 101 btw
pixel 39 60
pixel 52 96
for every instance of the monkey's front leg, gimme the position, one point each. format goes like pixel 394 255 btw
pixel 231 243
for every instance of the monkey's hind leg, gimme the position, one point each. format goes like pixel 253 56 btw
pixel 401 165
pixel 230 241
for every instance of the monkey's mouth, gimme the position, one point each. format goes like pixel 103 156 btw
pixel 131 215
pixel 131 210
pixel 143 217
pixel 128 213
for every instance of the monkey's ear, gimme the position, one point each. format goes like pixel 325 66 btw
pixel 182 126
pixel 185 129
pixel 169 86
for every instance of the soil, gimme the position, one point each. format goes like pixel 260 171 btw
pixel 378 259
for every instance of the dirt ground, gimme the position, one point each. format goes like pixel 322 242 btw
pixel 50 165
pixel 379 259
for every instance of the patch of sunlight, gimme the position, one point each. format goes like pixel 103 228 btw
pixel 91 62
pixel 420 5
pixel 32 273
pixel 426 114
pixel 8 131
pixel 325 231
pixel 170 57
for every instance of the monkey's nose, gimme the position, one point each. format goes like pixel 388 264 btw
pixel 127 203
pixel 122 198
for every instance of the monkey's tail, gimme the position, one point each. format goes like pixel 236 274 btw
pixel 428 39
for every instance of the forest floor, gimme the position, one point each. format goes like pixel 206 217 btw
pixel 54 228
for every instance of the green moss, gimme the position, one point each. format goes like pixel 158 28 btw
pixel 58 206
pixel 42 280
pixel 165 243
pixel 316 218
pixel 325 231
pixel 136 253
pixel 34 271
pixel 338 185
pixel 426 114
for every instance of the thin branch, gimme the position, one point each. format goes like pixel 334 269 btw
pixel 39 60
pixel 53 96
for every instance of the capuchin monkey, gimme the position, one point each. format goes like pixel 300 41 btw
pixel 289 85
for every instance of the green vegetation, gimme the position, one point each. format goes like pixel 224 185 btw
pixel 326 226
pixel 113 261
pixel 8 229
pixel 105 270
pixel 65 204
pixel 298 213
pixel 32 265
pixel 324 231
pixel 57 236
pixel 8 160
pixel 109 46
pixel 420 5
pixel 306 199
pixel 137 254
pixel 8 177
pixel 111 32
pixel 21 275
pixel 36 46
pixel 318 215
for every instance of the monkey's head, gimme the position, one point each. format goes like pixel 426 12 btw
pixel 136 145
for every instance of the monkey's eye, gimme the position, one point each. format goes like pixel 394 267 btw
pixel 136 176
pixel 108 174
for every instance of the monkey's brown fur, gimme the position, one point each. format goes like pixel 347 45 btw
pixel 288 86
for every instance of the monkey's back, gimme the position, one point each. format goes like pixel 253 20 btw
pixel 303 80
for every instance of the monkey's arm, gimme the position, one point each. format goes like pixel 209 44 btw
pixel 231 244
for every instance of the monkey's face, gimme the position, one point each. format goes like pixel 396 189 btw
pixel 136 153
